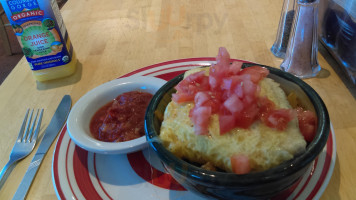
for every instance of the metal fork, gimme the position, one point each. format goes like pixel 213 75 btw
pixel 24 144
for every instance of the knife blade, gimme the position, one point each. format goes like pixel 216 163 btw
pixel 50 134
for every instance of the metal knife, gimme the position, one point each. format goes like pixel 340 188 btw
pixel 50 134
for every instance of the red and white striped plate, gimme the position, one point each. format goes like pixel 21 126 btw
pixel 78 174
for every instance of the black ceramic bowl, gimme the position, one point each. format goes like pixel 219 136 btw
pixel 257 185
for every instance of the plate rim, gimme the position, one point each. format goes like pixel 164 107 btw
pixel 207 61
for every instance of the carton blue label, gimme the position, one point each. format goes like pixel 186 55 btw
pixel 36 28
pixel 17 6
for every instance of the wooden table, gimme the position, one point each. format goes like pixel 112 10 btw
pixel 113 37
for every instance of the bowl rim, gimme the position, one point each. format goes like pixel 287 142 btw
pixel 283 170
pixel 83 139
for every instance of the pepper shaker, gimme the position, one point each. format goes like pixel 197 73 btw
pixel 279 46
pixel 301 56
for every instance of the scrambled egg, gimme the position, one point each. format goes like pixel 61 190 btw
pixel 264 146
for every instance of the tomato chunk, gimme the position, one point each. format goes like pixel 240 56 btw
pixel 266 106
pixel 240 164
pixel 257 73
pixel 307 123
pixel 247 116
pixel 200 116
pixel 227 122
pixel 233 104
pixel 190 86
pixel 279 119
pixel 223 57
pixel 182 97
pixel 201 98
pixel 235 68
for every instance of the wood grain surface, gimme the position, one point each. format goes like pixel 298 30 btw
pixel 113 37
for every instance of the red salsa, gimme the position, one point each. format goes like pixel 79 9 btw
pixel 122 119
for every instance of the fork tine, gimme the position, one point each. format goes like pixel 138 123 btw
pixel 19 137
pixel 38 125
pixel 30 133
pixel 27 126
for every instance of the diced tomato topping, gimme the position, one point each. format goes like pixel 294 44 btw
pixel 307 123
pixel 240 164
pixel 233 94
pixel 257 73
pixel 200 116
pixel 182 97
pixel 213 82
pixel 235 68
pixel 279 119
pixel 213 104
pixel 190 86
pixel 216 74
pixel 196 77
pixel 201 98
pixel 238 90
pixel 247 116
pixel 228 83
pixel 227 122
pixel 265 105
pixel 249 88
pixel 233 104
pixel 223 58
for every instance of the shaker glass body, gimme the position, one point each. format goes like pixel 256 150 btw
pixel 284 29
pixel 301 56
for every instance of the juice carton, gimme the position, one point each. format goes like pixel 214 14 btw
pixel 43 37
